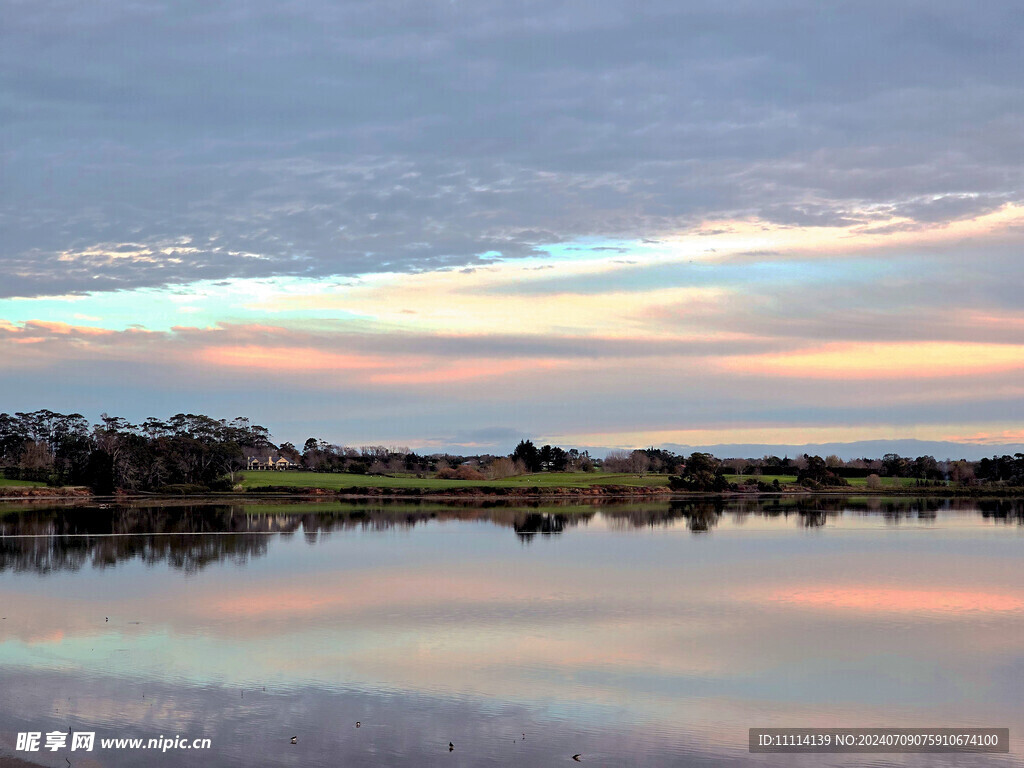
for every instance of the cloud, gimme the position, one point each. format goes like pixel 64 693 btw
pixel 560 218
pixel 433 390
pixel 324 139
pixel 397 370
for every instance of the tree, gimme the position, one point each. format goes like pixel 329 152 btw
pixel 639 462
pixel 961 472
pixel 616 461
pixel 925 468
pixel 36 461
pixel 894 465
pixel 816 473
pixel 701 472
pixel 526 453
pixel 290 452
pixel 503 467
pixel 553 459
pixel 1002 469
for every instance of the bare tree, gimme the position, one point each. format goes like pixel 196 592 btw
pixel 502 468
pixel 961 472
pixel 617 461
pixel 639 462
pixel 36 456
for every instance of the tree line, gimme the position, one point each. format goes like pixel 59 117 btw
pixel 64 449
pixel 201 451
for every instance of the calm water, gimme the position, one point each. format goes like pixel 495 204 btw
pixel 637 634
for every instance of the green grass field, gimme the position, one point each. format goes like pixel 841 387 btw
pixel 22 483
pixel 887 482
pixel 336 480
pixel 740 479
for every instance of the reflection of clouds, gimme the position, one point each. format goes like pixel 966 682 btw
pixel 656 622
pixel 342 594
pixel 947 603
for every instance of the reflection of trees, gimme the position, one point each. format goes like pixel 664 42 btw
pixel 641 515
pixel 189 536
pixel 701 515
pixel 1004 510
pixel 72 537
pixel 535 523
pixel 702 518
pixel 188 553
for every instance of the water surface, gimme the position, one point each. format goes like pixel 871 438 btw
pixel 649 634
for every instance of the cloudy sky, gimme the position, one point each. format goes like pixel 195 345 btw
pixel 452 223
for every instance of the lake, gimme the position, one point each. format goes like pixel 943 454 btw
pixel 639 634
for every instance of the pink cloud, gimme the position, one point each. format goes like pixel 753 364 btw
pixel 288 358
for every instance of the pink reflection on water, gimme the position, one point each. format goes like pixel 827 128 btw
pixel 896 600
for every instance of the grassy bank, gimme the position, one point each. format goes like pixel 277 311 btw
pixel 5 483
pixel 740 479
pixel 337 480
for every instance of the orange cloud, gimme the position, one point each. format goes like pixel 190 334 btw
pixel 868 360
pixel 39 330
pixel 36 343
pixel 65 329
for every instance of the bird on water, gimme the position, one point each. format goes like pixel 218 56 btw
pixel 358 724
pixel 450 746
pixel 576 757
pixel 295 739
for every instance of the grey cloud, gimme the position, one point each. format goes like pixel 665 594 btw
pixel 888 313
pixel 346 138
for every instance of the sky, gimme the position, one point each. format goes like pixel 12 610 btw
pixel 451 225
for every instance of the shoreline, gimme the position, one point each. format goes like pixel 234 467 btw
pixel 565 493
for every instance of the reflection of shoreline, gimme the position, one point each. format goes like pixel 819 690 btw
pixel 189 536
